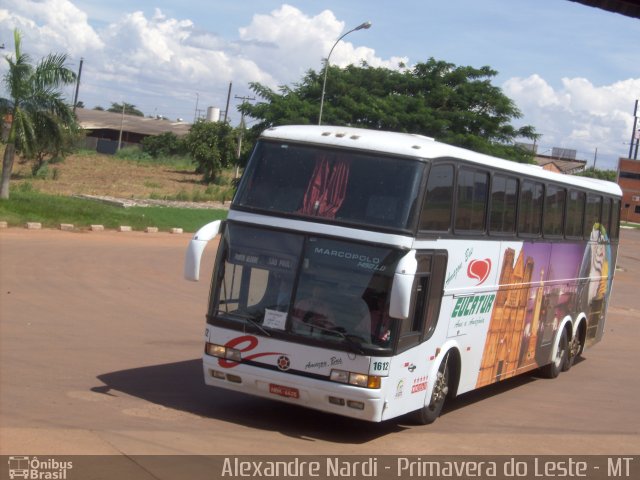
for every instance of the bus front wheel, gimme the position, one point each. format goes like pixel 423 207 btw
pixel 431 411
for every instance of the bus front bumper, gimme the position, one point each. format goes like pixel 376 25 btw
pixel 324 395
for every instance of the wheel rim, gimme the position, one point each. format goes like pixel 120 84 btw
pixel 562 349
pixel 440 390
pixel 575 347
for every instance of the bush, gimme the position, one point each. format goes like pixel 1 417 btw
pixel 133 153
pixel 164 145
pixel 40 171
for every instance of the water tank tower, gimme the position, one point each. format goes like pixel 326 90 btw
pixel 213 114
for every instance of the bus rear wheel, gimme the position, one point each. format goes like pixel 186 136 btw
pixel 430 412
pixel 561 359
pixel 576 346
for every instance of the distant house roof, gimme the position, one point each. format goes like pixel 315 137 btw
pixel 102 120
pixel 561 165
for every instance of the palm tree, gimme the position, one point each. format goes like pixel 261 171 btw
pixel 35 106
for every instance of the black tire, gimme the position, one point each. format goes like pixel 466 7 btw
pixel 573 351
pixel 560 361
pixel 576 347
pixel 430 412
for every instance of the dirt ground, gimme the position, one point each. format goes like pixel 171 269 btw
pixel 100 353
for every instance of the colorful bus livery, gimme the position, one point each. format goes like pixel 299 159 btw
pixel 553 282
pixel 373 274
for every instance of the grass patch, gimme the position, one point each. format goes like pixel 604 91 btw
pixel 137 156
pixel 630 225
pixel 26 205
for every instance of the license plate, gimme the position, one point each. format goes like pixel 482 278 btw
pixel 284 391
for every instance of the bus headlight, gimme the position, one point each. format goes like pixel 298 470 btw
pixel 357 379
pixel 339 376
pixel 221 351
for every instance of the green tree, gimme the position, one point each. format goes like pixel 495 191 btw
pixel 610 175
pixel 38 112
pixel 212 146
pixel 49 148
pixel 456 105
pixel 128 109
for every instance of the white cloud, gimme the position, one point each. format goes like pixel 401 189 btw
pixel 578 115
pixel 289 43
pixel 52 24
pixel 158 63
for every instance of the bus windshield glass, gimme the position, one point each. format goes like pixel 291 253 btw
pixel 305 286
pixel 339 185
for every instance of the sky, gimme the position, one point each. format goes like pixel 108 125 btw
pixel 572 70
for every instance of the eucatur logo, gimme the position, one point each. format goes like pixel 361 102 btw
pixel 479 270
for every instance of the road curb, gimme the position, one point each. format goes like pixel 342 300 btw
pixel 70 227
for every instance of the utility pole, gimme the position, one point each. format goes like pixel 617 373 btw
pixel 195 114
pixel 634 132
pixel 121 126
pixel 75 99
pixel 227 109
pixel 240 135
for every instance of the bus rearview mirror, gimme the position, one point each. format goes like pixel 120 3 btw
pixel 196 247
pixel 400 302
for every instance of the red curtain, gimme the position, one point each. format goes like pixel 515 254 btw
pixel 327 188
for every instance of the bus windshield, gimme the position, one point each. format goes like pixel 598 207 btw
pixel 305 286
pixel 340 185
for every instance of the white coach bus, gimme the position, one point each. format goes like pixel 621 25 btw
pixel 372 274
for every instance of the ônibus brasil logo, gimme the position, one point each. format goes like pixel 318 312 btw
pixel 38 469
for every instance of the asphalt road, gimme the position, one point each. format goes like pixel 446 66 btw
pixel 100 344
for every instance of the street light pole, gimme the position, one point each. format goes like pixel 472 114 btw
pixel 365 26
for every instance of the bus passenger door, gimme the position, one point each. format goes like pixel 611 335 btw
pixel 410 365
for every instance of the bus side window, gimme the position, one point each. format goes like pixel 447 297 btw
pixel 427 295
pixel 615 220
pixel 606 216
pixel 554 207
pixel 436 211
pixel 592 216
pixel 438 271
pixel 471 203
pixel 504 204
pixel 575 214
pixel 411 328
pixel 530 208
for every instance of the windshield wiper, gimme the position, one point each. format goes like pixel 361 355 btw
pixel 248 318
pixel 356 347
